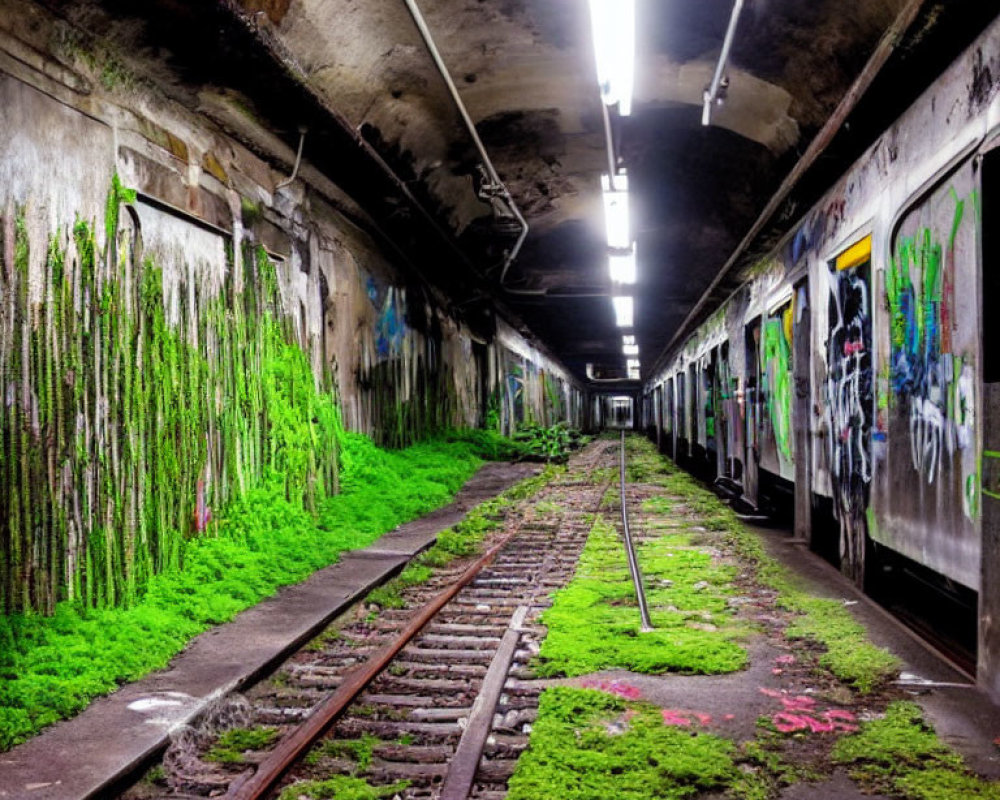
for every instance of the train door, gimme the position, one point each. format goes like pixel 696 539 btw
pixel 681 434
pixel 691 413
pixel 731 429
pixel 802 408
pixel 709 403
pixel 751 400
pixel 669 428
pixel 849 399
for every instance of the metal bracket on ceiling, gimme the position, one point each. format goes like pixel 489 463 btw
pixel 716 91
pixel 498 192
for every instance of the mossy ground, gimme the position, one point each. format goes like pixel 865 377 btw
pixel 593 623
pixel 587 745
pixel 590 747
pixel 341 787
pixel 900 755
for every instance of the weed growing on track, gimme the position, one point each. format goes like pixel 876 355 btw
pixel 586 744
pixel 341 787
pixel 901 755
pixel 233 743
pixel 359 751
pixel 51 667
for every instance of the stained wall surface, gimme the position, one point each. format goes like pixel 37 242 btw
pixel 177 320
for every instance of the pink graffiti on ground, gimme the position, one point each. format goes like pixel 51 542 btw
pixel 619 688
pixel 684 719
pixel 798 703
pixel 830 721
pixel 800 714
pixel 789 659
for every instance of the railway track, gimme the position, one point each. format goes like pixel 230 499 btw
pixel 435 699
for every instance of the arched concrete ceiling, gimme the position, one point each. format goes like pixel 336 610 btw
pixel 525 70
pixel 526 73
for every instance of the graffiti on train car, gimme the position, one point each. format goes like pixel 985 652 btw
pixel 932 381
pixel 849 394
pixel 778 372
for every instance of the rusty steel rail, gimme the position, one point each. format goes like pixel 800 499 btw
pixel 293 747
pixel 646 625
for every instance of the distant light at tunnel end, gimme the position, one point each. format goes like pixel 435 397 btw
pixel 613 25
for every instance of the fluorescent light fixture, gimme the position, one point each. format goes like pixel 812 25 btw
pixel 622 267
pixel 613 24
pixel 630 349
pixel 623 311
pixel 633 368
pixel 616 212
pixel 628 339
pixel 621 182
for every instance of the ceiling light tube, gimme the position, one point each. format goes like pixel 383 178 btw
pixel 621 265
pixel 630 349
pixel 613 24
pixel 623 311
pixel 616 211
pixel 628 339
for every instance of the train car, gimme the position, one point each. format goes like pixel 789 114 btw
pixel 852 377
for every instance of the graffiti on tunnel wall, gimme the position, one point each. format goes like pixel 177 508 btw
pixel 849 401
pixel 932 376
pixel 390 326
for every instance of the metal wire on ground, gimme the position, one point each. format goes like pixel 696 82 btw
pixel 633 562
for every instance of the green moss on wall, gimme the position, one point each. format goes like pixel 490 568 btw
pixel 124 431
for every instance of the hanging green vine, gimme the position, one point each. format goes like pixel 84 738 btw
pixel 122 430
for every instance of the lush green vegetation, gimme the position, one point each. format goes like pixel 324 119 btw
pixel 552 443
pixel 51 667
pixel 902 756
pixel 586 745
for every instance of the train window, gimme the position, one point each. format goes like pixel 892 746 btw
pixel 990 268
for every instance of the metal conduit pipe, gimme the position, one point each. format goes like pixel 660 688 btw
pixel 498 185
pixel 712 92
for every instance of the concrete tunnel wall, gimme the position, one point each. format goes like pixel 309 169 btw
pixel 169 312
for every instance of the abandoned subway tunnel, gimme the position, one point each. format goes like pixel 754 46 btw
pixel 499 398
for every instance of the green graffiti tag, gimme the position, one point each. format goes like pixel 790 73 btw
pixel 778 367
